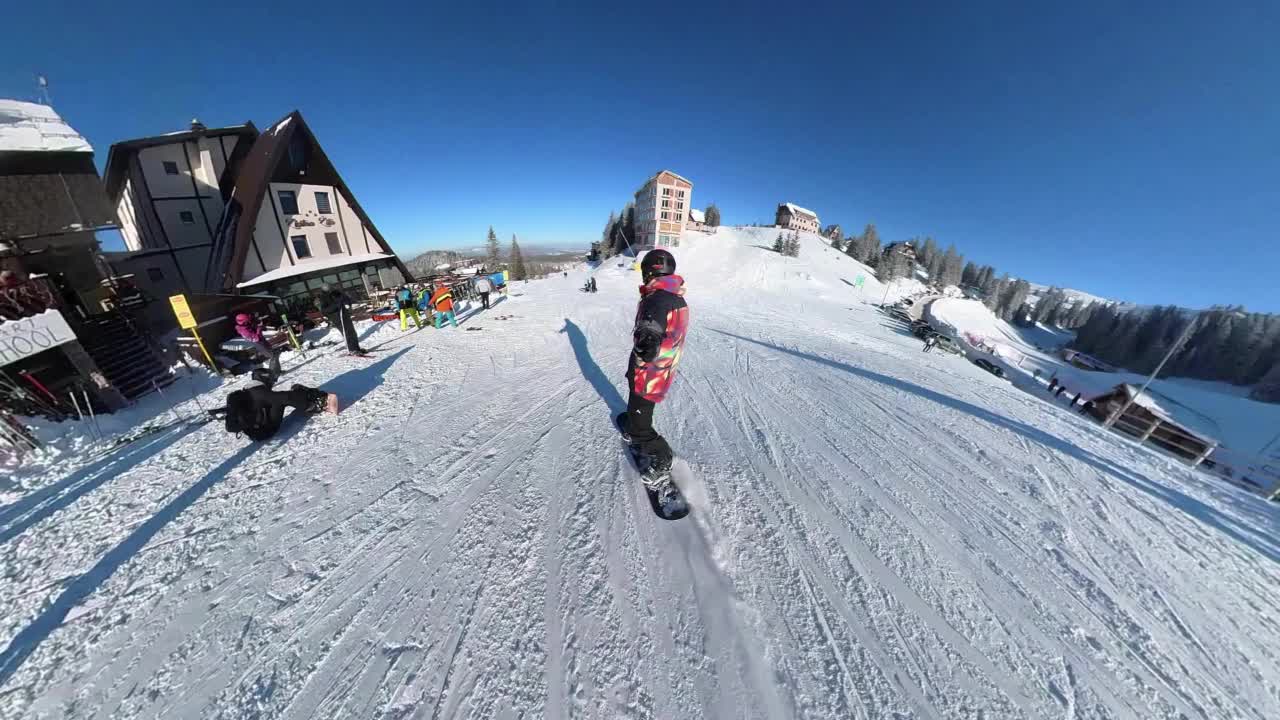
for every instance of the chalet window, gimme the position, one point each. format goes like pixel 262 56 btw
pixel 288 202
pixel 300 247
pixel 666 216
pixel 170 167
pixel 155 274
pixel 322 203
pixel 666 203
pixel 331 239
pixel 187 217
pixel 666 192
pixel 680 194
pixel 679 206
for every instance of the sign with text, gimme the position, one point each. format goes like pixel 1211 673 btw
pixel 26 337
pixel 186 320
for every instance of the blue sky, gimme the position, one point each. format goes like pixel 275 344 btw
pixel 1127 152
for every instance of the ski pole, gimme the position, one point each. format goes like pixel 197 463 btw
pixel 176 419
pixel 72 393
pixel 92 415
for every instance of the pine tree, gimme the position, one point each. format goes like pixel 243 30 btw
pixel 492 254
pixel 712 214
pixel 868 245
pixel 926 253
pixel 933 266
pixel 853 248
pixel 995 298
pixel 1022 316
pixel 791 247
pixel 969 276
pixel 952 267
pixel 779 245
pixel 518 269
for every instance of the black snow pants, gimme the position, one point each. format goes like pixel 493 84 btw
pixel 643 436
pixel 484 300
pixel 269 406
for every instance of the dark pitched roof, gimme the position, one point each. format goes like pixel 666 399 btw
pixel 264 164
pixel 120 153
pixel 50 193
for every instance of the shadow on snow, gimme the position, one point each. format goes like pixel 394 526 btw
pixel 351 386
pixel 591 371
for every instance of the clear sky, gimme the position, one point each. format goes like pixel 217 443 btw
pixel 1130 152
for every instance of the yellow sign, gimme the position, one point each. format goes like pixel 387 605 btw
pixel 186 320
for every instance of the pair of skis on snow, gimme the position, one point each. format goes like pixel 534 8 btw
pixel 665 497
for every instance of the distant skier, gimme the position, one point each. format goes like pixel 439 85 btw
pixel 483 286
pixel 336 307
pixel 929 342
pixel 408 307
pixel 249 327
pixel 593 284
pixel 442 304
pixel 257 410
pixel 662 319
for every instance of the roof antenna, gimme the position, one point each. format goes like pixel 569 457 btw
pixel 43 83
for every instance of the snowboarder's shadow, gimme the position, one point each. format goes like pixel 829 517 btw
pixel 591 371
pixel 77 590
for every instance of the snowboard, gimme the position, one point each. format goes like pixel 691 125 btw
pixel 676 505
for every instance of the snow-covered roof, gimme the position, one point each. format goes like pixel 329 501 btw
pixel 310 266
pixel 697 215
pixel 1170 410
pixel 31 127
pixel 797 210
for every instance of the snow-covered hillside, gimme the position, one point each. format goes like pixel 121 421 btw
pixel 876 533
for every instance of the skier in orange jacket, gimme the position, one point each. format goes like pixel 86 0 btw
pixel 442 304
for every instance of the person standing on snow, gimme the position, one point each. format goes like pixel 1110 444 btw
pixel 929 342
pixel 250 328
pixel 442 303
pixel 662 319
pixel 483 286
pixel 336 306
pixel 408 307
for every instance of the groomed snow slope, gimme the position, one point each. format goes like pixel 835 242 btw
pixel 877 533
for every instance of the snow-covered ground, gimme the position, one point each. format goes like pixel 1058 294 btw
pixel 877 533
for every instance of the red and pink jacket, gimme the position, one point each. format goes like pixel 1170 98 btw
pixel 662 319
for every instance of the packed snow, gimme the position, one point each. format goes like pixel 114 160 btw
pixel 877 532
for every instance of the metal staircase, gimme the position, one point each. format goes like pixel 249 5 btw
pixel 123 354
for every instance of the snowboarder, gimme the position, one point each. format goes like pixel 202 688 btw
pixel 1053 384
pixel 336 307
pixel 662 319
pixel 1061 389
pixel 257 410
pixel 442 304
pixel 483 286
pixel 249 327
pixel 408 308
pixel 1075 399
pixel 593 284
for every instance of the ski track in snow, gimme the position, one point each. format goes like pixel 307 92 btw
pixel 876 533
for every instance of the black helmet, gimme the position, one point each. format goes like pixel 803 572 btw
pixel 657 263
